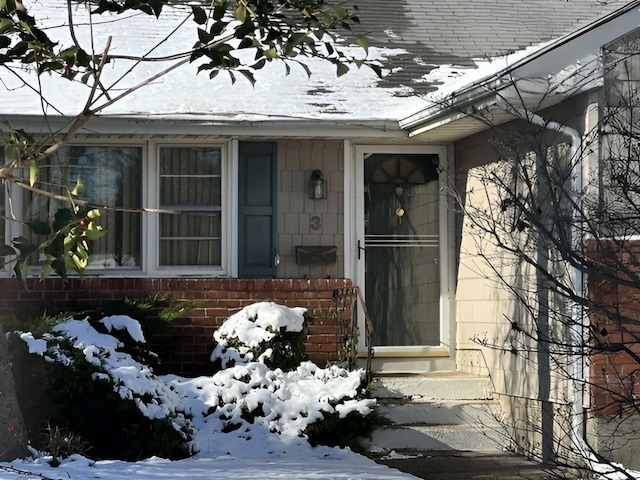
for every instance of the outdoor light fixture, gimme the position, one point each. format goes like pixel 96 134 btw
pixel 316 185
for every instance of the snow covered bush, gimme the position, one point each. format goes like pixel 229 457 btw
pixel 271 334
pixel 115 401
pixel 98 391
pixel 264 332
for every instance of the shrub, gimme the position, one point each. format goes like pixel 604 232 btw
pixel 271 334
pixel 264 332
pixel 102 393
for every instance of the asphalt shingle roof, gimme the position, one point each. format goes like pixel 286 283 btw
pixel 439 32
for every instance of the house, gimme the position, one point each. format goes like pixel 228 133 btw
pixel 215 186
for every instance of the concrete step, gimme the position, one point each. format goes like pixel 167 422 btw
pixel 433 386
pixel 472 412
pixel 437 437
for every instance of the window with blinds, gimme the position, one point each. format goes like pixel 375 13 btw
pixel 110 178
pixel 190 203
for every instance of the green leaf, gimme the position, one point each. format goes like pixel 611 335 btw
pixel 219 11
pixel 246 42
pixel 199 15
pixel 232 77
pixel 204 36
pixel 59 267
pixel 34 169
pixel 46 270
pixel 376 68
pixel 306 69
pixel 76 189
pixel 213 74
pixel 6 250
pixel 39 227
pixel 22 270
pixel 156 6
pixel 248 75
pixel 246 28
pixel 341 69
pixel 259 64
pixel 12 153
pixel 62 218
pixel 9 5
pixel 6 25
pixel 363 42
pixel 93 214
pixel 241 13
pixel 93 232
pixel 340 11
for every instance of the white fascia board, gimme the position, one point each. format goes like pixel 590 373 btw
pixel 141 126
pixel 577 47
pixel 444 117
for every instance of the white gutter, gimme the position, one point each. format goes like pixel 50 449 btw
pixel 578 319
pixel 211 126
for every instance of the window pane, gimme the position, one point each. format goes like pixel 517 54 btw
pixel 190 186
pixel 185 191
pixel 190 161
pixel 201 224
pixel 190 252
pixel 111 179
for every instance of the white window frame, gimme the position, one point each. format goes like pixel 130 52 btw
pixel 15 230
pixel 152 206
pixel 149 266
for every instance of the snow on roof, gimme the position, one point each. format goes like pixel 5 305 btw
pixel 427 50
pixel 183 91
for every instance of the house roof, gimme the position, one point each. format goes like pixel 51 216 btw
pixel 411 38
pixel 536 79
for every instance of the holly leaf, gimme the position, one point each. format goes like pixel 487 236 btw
pixel 39 227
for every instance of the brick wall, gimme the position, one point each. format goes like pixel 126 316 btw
pixel 615 330
pixel 185 346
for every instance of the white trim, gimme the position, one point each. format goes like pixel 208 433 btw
pixel 223 128
pixel 232 211
pixel 153 238
pixel 349 218
pixel 354 231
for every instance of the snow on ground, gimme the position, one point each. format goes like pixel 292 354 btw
pixel 203 405
pixel 303 463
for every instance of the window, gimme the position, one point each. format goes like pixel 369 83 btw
pixel 161 214
pixel 111 179
pixel 190 219
pixel 619 199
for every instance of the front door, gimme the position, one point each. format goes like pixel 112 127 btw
pixel 402 259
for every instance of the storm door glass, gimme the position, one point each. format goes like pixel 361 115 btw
pixel 402 281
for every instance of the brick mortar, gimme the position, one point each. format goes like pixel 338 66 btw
pixel 181 344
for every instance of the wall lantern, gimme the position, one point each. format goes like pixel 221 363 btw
pixel 317 185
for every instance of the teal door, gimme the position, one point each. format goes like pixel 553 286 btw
pixel 257 209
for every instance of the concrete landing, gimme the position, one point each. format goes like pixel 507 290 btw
pixel 452 465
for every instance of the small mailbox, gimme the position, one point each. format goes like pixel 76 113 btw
pixel 317 255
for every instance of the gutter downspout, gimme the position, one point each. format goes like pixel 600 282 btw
pixel 577 277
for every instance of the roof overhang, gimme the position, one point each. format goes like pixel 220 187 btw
pixel 211 127
pixel 548 76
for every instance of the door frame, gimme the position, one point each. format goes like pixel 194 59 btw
pixel 354 232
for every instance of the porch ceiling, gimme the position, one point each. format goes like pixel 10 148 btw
pixel 459 125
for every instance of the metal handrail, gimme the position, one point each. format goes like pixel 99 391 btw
pixel 346 298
